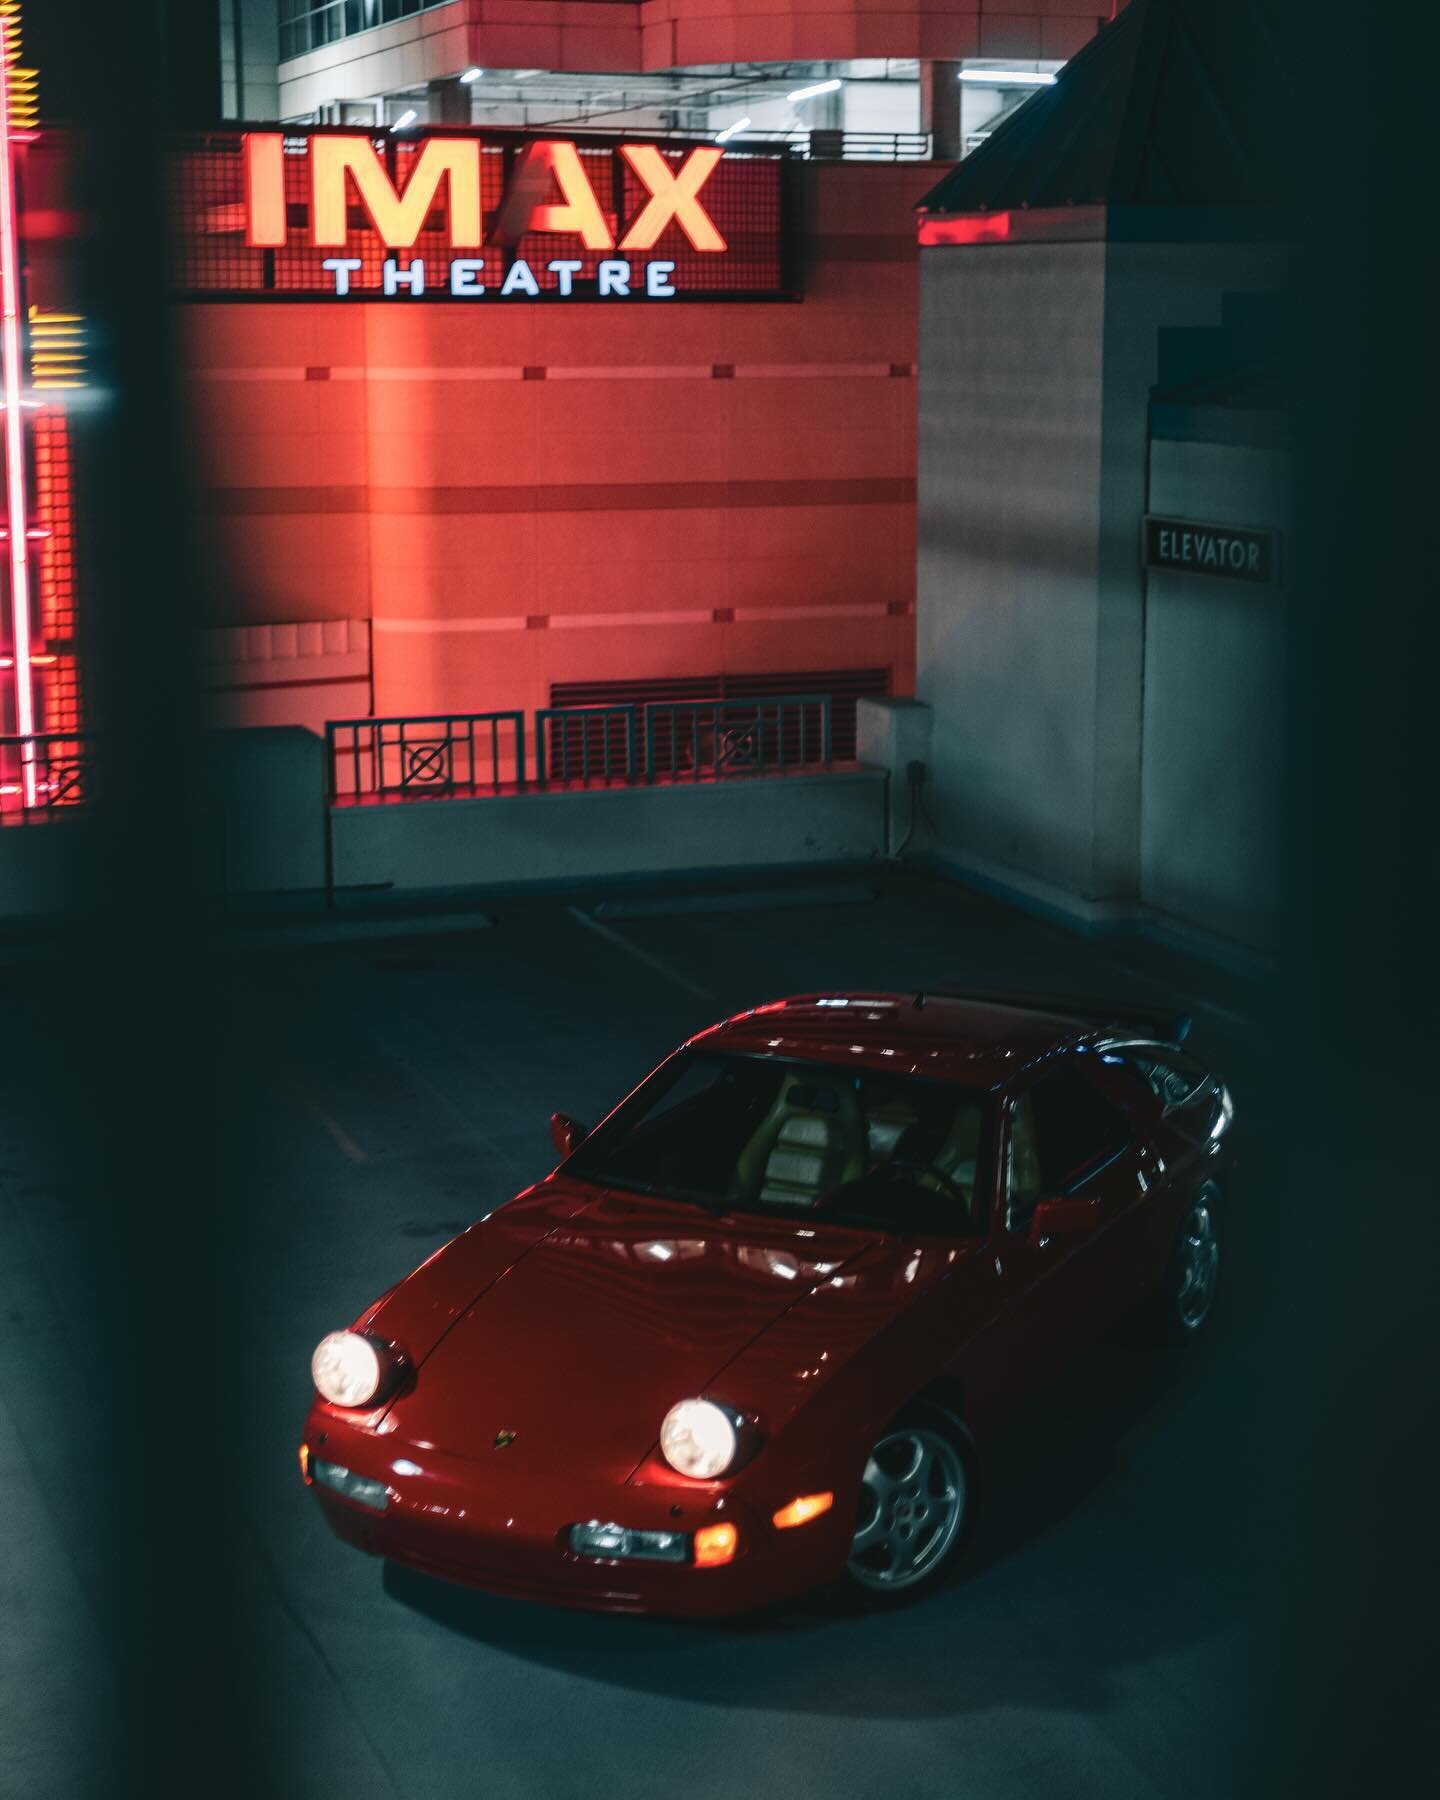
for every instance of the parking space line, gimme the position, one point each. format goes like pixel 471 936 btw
pixel 342 1140
pixel 657 963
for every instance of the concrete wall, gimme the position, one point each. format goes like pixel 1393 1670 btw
pixel 1214 725
pixel 1148 286
pixel 894 735
pixel 1010 437
pixel 543 493
pixel 268 831
pixel 267 788
pixel 608 832
pixel 43 868
pixel 603 35
pixel 1036 363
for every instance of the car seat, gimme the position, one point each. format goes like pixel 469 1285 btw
pixel 955 1159
pixel 809 1142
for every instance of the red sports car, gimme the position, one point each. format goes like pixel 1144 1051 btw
pixel 747 1336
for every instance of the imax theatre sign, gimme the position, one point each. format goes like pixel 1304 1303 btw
pixel 354 197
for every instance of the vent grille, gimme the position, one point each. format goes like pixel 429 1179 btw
pixel 845 687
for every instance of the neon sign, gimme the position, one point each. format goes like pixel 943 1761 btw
pixel 548 193
pixel 459 215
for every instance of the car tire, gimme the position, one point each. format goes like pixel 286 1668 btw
pixel 1189 1293
pixel 919 1500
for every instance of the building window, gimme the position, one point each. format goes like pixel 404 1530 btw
pixel 308 24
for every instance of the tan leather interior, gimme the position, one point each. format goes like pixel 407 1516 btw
pixel 955 1159
pixel 1024 1155
pixel 811 1141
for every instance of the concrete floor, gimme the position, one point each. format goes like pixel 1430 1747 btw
pixel 1104 1642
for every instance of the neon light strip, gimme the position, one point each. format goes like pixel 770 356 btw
pixel 1006 78
pixel 15 433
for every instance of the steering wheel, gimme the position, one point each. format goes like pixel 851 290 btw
pixel 923 1174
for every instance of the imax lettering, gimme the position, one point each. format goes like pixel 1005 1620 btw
pixel 527 208
pixel 397 218
pixel 672 196
pixel 549 191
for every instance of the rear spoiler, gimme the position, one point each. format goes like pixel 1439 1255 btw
pixel 1161 1023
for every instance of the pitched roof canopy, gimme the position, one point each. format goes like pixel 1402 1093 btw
pixel 1177 103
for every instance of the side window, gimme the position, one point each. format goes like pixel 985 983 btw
pixel 1023 1169
pixel 1171 1076
pixel 1062 1131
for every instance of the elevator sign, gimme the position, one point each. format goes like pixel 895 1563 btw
pixel 1229 552
pixel 475 216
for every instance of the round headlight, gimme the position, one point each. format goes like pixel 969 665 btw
pixel 346 1369
pixel 698 1439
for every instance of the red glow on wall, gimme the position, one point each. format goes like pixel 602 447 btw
pixel 16 507
pixel 59 687
pixel 978 228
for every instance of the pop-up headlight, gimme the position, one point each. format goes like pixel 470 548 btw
pixel 351 1368
pixel 699 1439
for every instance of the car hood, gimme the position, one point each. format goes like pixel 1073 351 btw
pixel 593 1331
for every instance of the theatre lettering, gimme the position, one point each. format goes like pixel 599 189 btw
pixel 548 200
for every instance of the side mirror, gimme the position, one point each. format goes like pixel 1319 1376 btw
pixel 566 1134
pixel 1065 1217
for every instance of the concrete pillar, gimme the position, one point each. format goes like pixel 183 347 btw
pixel 892 735
pixel 1037 359
pixel 940 90
pixel 249 51
pixel 449 103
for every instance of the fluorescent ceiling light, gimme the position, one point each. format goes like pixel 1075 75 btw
pixel 1006 78
pixel 472 75
pixel 808 93
pixel 406 118
pixel 724 137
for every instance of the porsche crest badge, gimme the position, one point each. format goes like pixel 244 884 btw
pixel 503 1439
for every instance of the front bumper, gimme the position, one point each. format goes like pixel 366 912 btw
pixel 508 1532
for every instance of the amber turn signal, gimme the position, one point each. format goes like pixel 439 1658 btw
pixel 305 1464
pixel 802 1510
pixel 715 1544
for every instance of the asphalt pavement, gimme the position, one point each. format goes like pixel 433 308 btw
pixel 1105 1640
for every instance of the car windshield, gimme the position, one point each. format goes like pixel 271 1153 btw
pixel 762 1134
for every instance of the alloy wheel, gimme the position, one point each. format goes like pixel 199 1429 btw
pixel 913 1498
pixel 1199 1262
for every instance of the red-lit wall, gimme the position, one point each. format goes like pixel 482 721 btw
pixel 519 495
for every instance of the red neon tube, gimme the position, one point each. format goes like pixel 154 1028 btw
pixel 15 431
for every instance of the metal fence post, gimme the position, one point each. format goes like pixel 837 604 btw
pixel 327 809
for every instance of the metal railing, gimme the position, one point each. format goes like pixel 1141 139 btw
pixel 681 740
pixel 443 755
pixel 699 739
pixel 822 144
pixel 585 744
pixel 474 754
pixel 42 777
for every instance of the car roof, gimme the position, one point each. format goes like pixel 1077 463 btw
pixel 984 1040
